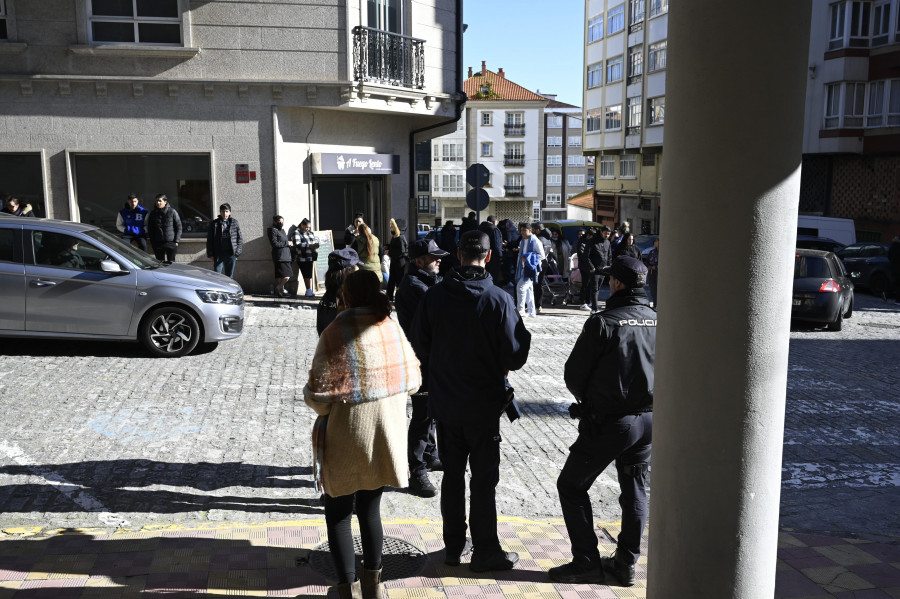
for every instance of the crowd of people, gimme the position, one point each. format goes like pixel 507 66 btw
pixel 456 336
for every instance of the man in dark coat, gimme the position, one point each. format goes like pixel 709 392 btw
pixel 468 336
pixel 422 451
pixel 470 223
pixel 610 374
pixel 12 205
pixel 494 267
pixel 164 229
pixel 894 259
pixel 224 241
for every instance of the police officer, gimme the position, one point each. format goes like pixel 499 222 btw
pixel 610 373
pixel 422 451
pixel 468 336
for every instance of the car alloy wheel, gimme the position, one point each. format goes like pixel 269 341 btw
pixel 170 332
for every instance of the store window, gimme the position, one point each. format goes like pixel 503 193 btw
pixel 103 182
pixel 22 176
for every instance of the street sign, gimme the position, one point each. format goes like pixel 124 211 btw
pixel 477 199
pixel 478 175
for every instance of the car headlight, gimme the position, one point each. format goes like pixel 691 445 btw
pixel 215 296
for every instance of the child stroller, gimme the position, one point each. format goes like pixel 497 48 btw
pixel 554 283
pixel 574 292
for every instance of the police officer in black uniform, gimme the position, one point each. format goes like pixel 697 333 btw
pixel 422 451
pixel 610 373
pixel 468 335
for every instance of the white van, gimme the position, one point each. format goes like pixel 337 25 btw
pixel 839 229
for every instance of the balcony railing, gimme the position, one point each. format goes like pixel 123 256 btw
pixel 514 160
pixel 514 190
pixel 385 57
pixel 514 130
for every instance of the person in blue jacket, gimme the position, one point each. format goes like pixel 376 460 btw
pixel 468 336
pixel 132 222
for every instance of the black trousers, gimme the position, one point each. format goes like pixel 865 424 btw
pixel 421 445
pixel 588 288
pixel 479 445
pixel 396 274
pixel 166 252
pixel 338 511
pixel 627 440
pixel 539 286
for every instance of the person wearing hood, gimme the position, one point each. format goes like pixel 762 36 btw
pixel 468 335
pixel 610 372
pixel 164 228
pixel 12 205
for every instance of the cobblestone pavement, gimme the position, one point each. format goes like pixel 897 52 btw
pixel 99 435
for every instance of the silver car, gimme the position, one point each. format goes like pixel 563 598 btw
pixel 64 280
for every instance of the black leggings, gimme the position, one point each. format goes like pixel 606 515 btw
pixel 338 511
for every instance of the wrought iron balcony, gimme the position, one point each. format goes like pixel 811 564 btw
pixel 514 190
pixel 514 130
pixel 384 57
pixel 514 160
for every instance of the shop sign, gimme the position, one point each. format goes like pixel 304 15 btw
pixel 355 164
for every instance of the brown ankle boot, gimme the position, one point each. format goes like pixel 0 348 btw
pixel 348 590
pixel 372 588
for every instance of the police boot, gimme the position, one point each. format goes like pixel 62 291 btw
pixel 372 588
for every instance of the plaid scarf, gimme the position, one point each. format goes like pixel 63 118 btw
pixel 358 359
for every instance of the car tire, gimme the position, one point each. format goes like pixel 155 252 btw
pixel 878 283
pixel 838 323
pixel 849 311
pixel 170 332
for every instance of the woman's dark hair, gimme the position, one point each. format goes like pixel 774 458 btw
pixel 362 289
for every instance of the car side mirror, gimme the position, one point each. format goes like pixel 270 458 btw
pixel 112 267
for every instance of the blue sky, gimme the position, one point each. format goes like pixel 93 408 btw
pixel 539 45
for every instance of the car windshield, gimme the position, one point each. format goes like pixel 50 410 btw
pixel 851 251
pixel 812 267
pixel 140 259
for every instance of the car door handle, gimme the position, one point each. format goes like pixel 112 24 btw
pixel 40 283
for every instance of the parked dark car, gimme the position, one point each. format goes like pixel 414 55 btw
pixel 823 292
pixel 811 242
pixel 867 262
pixel 645 244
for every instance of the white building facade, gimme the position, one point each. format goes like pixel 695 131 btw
pixel 624 107
pixel 286 107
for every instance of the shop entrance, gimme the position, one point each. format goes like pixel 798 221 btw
pixel 338 199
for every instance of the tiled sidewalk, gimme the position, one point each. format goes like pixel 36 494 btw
pixel 284 559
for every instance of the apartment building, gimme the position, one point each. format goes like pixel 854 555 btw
pixel 851 146
pixel 624 108
pixel 448 175
pixel 279 107
pixel 568 171
pixel 503 130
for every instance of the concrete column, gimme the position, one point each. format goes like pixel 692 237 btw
pixel 731 179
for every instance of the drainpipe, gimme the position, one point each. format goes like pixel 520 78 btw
pixel 413 208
